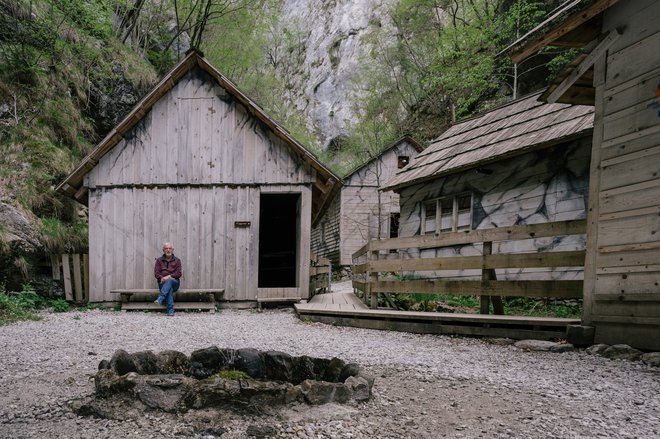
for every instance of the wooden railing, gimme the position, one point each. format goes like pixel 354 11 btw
pixel 74 270
pixel 319 275
pixel 376 258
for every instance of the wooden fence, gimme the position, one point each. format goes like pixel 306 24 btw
pixel 74 270
pixel 376 258
pixel 320 271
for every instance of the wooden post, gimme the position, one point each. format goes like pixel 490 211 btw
pixel 485 275
pixel 77 278
pixel 488 274
pixel 373 278
pixel 86 277
pixel 68 293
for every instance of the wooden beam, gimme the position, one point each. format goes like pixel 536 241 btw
pixel 559 228
pixel 507 260
pixel 498 288
pixel 562 28
pixel 585 65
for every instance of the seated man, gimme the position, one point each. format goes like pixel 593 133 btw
pixel 167 272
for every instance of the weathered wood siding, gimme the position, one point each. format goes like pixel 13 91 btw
pixel 185 173
pixel 326 236
pixel 196 134
pixel 542 186
pixel 360 208
pixel 622 271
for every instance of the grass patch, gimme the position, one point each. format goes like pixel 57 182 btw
pixel 518 306
pixel 232 374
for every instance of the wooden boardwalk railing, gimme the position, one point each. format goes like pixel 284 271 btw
pixel 319 275
pixel 369 262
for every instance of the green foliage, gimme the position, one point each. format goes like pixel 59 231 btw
pixel 23 304
pixel 232 374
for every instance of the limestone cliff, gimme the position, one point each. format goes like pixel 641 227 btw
pixel 334 55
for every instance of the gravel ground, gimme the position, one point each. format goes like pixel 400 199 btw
pixel 426 386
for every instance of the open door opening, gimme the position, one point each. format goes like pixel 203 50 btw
pixel 278 240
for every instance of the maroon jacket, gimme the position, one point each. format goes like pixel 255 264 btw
pixel 164 267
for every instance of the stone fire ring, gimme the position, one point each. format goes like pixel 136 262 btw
pixel 172 382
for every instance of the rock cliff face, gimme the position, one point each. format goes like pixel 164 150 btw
pixel 333 55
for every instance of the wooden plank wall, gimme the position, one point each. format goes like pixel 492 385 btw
pixel 129 225
pixel 328 247
pixel 622 273
pixel 192 167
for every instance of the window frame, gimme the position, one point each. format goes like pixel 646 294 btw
pixel 438 213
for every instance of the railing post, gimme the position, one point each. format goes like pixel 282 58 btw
pixel 373 278
pixel 488 274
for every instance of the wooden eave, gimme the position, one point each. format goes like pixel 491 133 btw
pixel 325 180
pixel 574 24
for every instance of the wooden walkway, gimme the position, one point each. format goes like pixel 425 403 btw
pixel 345 309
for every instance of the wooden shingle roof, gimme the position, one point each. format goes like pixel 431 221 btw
pixel 512 129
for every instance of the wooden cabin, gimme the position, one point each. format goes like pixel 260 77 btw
pixel 525 162
pixel 199 164
pixel 618 72
pixel 359 211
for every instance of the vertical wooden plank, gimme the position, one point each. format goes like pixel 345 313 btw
pixel 229 246
pixel 86 277
pixel 77 278
pixel 304 241
pixel 68 291
pixel 593 211
pixel 55 266
pixel 95 238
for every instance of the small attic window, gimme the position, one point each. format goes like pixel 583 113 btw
pixel 403 161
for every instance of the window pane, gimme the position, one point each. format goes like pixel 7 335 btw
pixel 446 214
pixel 429 216
pixel 464 210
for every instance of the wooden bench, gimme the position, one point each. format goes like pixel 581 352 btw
pixel 205 293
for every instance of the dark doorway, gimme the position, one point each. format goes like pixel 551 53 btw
pixel 278 240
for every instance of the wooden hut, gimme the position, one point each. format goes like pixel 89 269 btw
pixel 199 164
pixel 359 211
pixel 618 72
pixel 525 162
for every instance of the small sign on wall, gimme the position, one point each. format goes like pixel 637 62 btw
pixel 241 223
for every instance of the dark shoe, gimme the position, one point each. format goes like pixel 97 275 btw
pixel 170 314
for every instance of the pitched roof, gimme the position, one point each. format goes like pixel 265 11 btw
pixel 326 184
pixel 512 129
pixel 415 144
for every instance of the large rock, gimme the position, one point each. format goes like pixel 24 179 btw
pixel 596 349
pixel 163 392
pixel 622 352
pixel 146 362
pixel 652 359
pixel 172 362
pixel 249 361
pixel 122 362
pixel 278 366
pixel 206 362
pixel 535 345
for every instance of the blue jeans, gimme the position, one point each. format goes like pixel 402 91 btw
pixel 166 295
